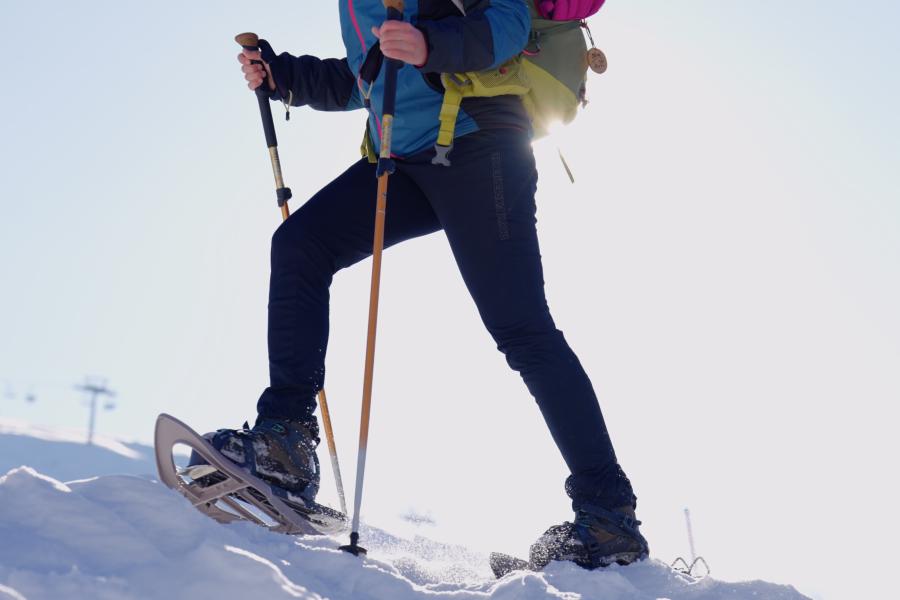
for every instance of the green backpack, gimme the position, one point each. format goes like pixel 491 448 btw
pixel 550 75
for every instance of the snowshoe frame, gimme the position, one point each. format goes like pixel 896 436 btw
pixel 237 493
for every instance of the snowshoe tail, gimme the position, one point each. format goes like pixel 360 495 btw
pixel 227 493
pixel 504 564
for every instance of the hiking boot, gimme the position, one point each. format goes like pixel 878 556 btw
pixel 597 538
pixel 280 452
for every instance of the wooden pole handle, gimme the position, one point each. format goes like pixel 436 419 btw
pixel 247 40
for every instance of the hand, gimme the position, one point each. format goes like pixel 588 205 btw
pixel 254 74
pixel 402 41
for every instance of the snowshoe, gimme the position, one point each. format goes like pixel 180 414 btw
pixel 597 538
pixel 267 475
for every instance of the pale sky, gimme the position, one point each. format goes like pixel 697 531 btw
pixel 726 268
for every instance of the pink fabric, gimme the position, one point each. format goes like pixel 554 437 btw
pixel 362 40
pixel 568 10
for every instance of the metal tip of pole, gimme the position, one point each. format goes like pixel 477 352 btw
pixel 354 548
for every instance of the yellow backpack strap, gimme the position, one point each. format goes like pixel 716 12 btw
pixel 367 148
pixel 453 97
pixel 508 79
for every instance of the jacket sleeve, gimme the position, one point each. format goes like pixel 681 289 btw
pixel 485 38
pixel 322 84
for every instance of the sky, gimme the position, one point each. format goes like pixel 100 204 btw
pixel 725 266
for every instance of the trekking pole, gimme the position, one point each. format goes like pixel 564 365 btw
pixel 250 41
pixel 385 168
pixel 332 449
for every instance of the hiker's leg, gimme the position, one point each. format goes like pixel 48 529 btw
pixel 485 203
pixel 333 230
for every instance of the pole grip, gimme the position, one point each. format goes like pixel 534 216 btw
pixel 390 83
pixel 265 111
pixel 394 9
pixel 250 41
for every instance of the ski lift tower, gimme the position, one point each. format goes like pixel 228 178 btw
pixel 96 389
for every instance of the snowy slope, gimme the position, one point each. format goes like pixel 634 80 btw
pixel 126 536
pixel 65 456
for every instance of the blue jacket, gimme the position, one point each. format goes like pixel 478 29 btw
pixel 491 32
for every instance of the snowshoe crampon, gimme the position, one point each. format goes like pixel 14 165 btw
pixel 227 493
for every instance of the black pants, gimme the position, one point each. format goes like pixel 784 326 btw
pixel 485 205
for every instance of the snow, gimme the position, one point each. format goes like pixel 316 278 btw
pixel 64 455
pixel 16 427
pixel 123 536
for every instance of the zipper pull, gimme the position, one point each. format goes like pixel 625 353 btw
pixel 287 106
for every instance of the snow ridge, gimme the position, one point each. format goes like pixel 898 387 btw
pixel 126 537
pixel 21 428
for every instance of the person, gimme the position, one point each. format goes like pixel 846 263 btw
pixel 484 202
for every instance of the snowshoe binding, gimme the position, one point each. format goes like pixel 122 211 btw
pixel 268 475
pixel 597 538
pixel 281 453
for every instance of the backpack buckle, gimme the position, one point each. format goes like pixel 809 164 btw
pixel 441 155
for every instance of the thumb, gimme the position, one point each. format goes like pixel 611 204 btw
pixel 376 31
